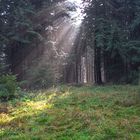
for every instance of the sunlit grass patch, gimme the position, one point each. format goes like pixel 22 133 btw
pixel 40 105
pixel 4 118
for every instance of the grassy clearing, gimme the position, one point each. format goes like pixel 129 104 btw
pixel 73 113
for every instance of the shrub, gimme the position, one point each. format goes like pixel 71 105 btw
pixel 133 77
pixel 39 78
pixel 8 87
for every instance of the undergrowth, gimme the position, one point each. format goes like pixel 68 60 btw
pixel 73 113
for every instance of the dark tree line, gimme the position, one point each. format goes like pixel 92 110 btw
pixel 113 31
pixel 18 30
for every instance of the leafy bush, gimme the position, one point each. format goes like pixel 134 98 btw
pixel 132 77
pixel 8 87
pixel 40 78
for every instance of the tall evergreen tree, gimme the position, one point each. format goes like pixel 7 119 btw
pixel 18 29
pixel 113 27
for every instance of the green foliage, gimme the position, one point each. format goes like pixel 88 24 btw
pixel 133 77
pixel 18 27
pixel 114 27
pixel 20 31
pixel 40 78
pixel 8 87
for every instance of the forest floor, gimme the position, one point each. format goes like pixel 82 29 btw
pixel 73 113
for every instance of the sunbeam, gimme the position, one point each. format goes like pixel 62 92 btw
pixel 76 15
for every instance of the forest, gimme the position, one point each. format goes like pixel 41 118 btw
pixel 70 69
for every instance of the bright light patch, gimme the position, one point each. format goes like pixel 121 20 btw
pixel 75 1
pixel 77 15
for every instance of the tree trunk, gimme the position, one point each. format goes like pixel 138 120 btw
pixel 97 67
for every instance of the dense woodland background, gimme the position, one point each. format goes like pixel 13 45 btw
pixel 111 30
pixel 115 27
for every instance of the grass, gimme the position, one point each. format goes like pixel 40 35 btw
pixel 73 113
